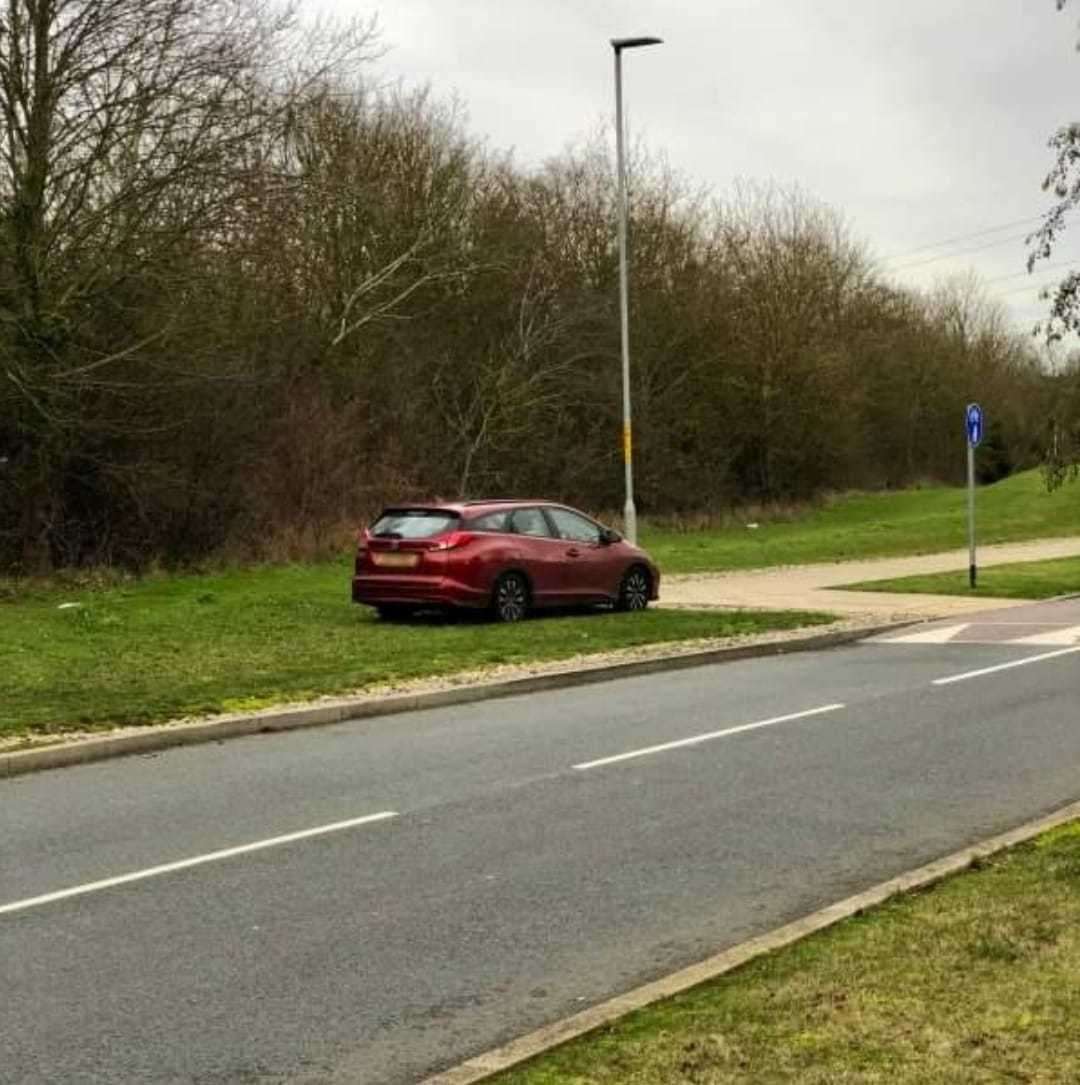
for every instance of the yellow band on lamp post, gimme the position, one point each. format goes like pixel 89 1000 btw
pixel 627 444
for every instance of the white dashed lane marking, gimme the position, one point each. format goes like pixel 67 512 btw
pixel 982 672
pixel 194 861
pixel 696 740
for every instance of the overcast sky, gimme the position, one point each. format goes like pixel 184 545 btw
pixel 921 121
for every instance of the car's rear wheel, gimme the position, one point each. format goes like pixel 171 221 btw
pixel 510 599
pixel 634 589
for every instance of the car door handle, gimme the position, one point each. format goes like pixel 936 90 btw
pixel 573 552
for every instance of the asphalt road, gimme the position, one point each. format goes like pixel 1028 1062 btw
pixel 465 875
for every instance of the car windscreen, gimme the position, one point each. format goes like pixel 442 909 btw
pixel 413 523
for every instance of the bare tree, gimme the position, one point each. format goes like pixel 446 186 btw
pixel 1062 456
pixel 1063 182
pixel 794 271
pixel 245 296
pixel 128 127
pixel 517 384
pixel 382 186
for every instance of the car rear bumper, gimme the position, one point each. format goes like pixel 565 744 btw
pixel 382 589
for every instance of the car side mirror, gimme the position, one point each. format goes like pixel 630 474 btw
pixel 609 536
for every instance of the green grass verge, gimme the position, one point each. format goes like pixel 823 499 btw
pixel 974 980
pixel 1020 580
pixel 920 521
pixel 169 646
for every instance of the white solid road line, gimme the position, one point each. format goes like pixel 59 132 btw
pixel 198 860
pixel 695 739
pixel 941 635
pixel 1065 635
pixel 1003 666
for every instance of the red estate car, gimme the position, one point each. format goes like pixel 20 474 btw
pixel 505 556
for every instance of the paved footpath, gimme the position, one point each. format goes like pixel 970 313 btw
pixel 817 587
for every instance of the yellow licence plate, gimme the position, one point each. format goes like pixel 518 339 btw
pixel 395 561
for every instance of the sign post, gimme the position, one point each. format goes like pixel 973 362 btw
pixel 973 419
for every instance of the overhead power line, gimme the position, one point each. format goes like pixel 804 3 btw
pixel 1022 274
pixel 1041 285
pixel 961 238
pixel 958 253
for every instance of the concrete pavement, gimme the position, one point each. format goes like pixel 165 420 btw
pixel 817 587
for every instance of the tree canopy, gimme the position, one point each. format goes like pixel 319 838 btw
pixel 247 295
pixel 1062 448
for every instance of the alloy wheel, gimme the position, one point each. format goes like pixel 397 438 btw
pixel 511 598
pixel 635 590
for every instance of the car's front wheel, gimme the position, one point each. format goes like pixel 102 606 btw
pixel 634 590
pixel 510 599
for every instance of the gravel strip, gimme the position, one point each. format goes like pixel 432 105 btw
pixel 477 677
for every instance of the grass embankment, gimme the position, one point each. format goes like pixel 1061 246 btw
pixel 974 980
pixel 165 647
pixel 1020 580
pixel 168 646
pixel 921 521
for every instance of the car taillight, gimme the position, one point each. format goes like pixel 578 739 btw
pixel 452 541
pixel 361 550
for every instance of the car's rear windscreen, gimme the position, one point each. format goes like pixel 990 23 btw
pixel 413 523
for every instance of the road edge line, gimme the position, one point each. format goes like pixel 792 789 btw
pixel 542 1040
pixel 156 739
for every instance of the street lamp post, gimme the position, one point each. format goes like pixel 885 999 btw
pixel 629 511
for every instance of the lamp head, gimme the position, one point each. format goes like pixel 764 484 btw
pixel 618 44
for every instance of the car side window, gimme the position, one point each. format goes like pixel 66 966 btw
pixel 493 521
pixel 575 528
pixel 530 522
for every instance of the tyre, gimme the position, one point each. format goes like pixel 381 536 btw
pixel 510 599
pixel 634 590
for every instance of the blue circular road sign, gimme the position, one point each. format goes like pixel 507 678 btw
pixel 974 420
